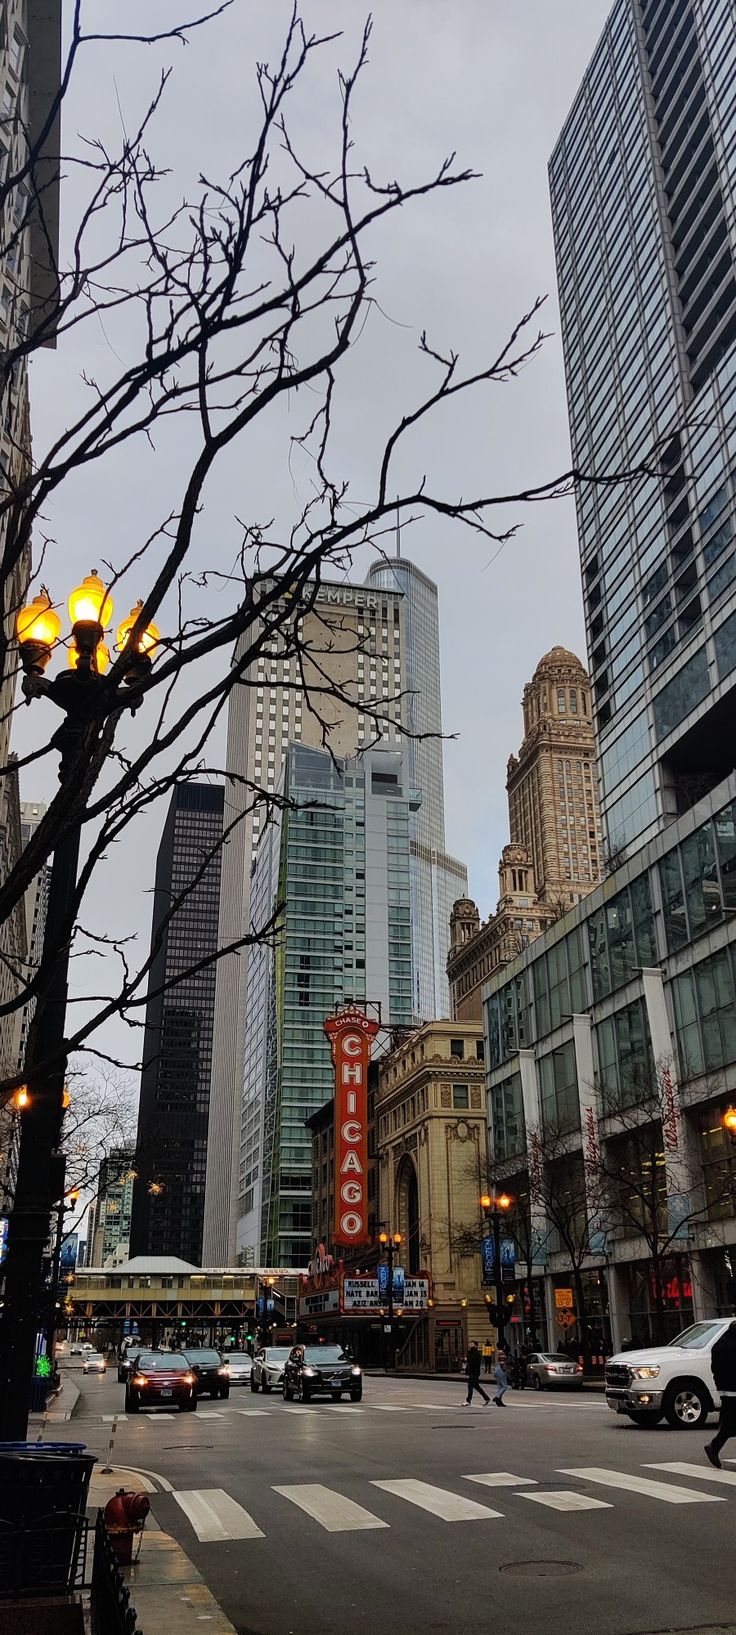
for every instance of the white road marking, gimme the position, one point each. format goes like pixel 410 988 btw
pixel 388 1408
pixel 438 1501
pixel 107 1419
pixel 215 1516
pixel 667 1491
pixel 295 1408
pixel 566 1501
pixel 130 1470
pixel 703 1473
pixel 211 1413
pixel 253 1413
pixel 332 1510
pixel 502 1478
pixel 344 1408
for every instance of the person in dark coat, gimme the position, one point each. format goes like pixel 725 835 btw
pixel 723 1364
pixel 472 1369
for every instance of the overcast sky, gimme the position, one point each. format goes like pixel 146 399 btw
pixel 493 80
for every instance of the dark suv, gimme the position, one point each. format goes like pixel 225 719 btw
pixel 212 1373
pixel 321 1370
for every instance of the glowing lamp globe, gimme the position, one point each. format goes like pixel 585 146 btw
pixel 146 642
pixel 504 1201
pixel 37 625
pixel 101 662
pixel 90 602
pixel 485 1202
pixel 729 1120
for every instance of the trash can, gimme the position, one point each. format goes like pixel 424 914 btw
pixel 43 1499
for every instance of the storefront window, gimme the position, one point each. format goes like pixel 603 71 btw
pixel 718 1157
pixel 653 1318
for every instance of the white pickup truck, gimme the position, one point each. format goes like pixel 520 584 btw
pixel 673 1380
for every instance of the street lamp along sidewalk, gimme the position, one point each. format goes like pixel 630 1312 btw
pixel 85 698
pixel 494 1210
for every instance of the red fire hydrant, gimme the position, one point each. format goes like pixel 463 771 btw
pixel 125 1515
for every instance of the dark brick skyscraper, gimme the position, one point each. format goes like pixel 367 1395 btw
pixel 171 1153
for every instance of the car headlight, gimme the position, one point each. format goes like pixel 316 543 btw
pixel 356 1370
pixel 140 1379
pixel 224 1370
pixel 648 1371
pixel 190 1379
pixel 310 1373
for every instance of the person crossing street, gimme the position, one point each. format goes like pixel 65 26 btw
pixel 723 1364
pixel 472 1370
pixel 502 1383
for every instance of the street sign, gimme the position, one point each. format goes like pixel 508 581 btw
pixel 566 1318
pixel 563 1299
pixel 387 1328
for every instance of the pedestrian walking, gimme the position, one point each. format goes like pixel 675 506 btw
pixel 723 1364
pixel 487 1357
pixel 502 1383
pixel 472 1369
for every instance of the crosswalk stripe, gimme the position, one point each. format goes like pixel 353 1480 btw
pixel 502 1478
pixel 567 1501
pixel 332 1510
pixel 702 1473
pixel 296 1408
pixel 667 1491
pixel 388 1408
pixel 438 1501
pixel 253 1413
pixel 345 1408
pixel 107 1419
pixel 215 1516
pixel 211 1413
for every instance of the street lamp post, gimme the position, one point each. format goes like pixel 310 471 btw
pixel 494 1210
pixel 85 699
pixel 389 1242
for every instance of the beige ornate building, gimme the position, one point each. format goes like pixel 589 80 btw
pixel 554 855
pixel 551 784
pixel 431 1145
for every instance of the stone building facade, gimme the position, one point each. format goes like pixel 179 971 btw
pixel 431 1141
pixel 554 856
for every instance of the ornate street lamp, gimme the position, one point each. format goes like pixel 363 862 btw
pixel 390 1241
pixel 84 694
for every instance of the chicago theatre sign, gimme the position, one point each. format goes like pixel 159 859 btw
pixel 351 1034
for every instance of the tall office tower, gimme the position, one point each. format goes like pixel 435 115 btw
pixel 551 783
pixel 644 212
pixel 436 879
pixel 351 635
pixel 171 1145
pixel 337 858
pixel 109 1229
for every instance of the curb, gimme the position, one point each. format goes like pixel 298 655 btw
pixel 64 1405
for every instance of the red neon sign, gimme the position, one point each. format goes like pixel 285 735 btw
pixel 351 1034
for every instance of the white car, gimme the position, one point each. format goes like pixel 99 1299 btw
pixel 267 1373
pixel 674 1381
pixel 239 1365
pixel 94 1363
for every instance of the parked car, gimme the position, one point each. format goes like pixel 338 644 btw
pixel 213 1375
pixel 269 1363
pixel 75 1350
pixel 549 1371
pixel 239 1367
pixel 674 1381
pixel 160 1379
pixel 94 1363
pixel 321 1370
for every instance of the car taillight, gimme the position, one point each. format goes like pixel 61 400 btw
pixel 190 1379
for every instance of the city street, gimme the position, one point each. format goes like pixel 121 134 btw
pixel 309 1521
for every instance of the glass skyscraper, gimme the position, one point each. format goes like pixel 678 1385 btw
pixel 335 859
pixel 643 188
pixel 436 879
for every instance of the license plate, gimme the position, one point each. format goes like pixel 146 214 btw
pixel 335 1381
pixel 167 1391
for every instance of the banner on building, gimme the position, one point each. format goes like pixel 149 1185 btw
pixel 351 1034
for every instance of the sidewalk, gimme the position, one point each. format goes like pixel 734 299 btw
pixel 60 1407
pixel 165 1588
pixel 457 1379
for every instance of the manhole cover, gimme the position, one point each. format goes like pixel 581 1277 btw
pixel 541 1569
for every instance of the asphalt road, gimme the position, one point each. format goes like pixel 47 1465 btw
pixel 411 1512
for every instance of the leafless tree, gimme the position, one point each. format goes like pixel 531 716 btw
pixel 557 1189
pixel 228 311
pixel 646 1134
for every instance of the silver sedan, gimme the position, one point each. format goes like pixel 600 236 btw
pixel 239 1365
pixel 549 1370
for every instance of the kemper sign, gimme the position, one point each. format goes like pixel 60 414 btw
pixel 351 1034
